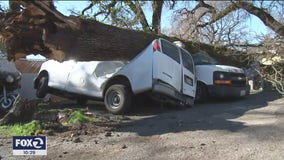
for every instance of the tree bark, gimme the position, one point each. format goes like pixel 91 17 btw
pixel 14 6
pixel 157 6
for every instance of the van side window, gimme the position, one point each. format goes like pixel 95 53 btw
pixel 187 60
pixel 170 50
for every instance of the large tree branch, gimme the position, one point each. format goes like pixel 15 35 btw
pixel 157 6
pixel 266 18
pixel 205 5
pixel 137 9
pixel 52 13
pixel 219 15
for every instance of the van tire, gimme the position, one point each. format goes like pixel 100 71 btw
pixel 201 94
pixel 117 98
pixel 42 87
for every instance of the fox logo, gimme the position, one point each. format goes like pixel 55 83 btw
pixel 29 142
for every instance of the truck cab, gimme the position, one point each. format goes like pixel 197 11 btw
pixel 216 80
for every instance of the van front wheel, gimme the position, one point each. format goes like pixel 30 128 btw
pixel 201 94
pixel 117 99
pixel 42 87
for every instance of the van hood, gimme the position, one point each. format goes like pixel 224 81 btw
pixel 223 68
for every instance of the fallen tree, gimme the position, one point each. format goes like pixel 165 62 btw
pixel 37 27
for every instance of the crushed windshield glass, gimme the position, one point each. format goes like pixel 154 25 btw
pixel 202 58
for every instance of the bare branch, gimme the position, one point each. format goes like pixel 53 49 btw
pixel 87 8
pixel 202 4
pixel 139 14
pixel 217 16
pixel 1 9
pixel 266 18
pixel 245 45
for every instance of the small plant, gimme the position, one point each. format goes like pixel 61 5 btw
pixel 78 116
pixel 21 129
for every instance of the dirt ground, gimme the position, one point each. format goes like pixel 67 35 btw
pixel 244 129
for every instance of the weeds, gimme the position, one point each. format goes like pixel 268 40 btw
pixel 21 129
pixel 78 116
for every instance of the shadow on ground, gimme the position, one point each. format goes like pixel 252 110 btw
pixel 214 115
pixel 150 118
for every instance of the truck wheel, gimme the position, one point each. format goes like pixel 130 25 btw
pixel 201 94
pixel 117 99
pixel 42 87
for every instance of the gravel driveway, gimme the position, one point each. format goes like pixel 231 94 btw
pixel 251 128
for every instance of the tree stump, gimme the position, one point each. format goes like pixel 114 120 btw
pixel 21 111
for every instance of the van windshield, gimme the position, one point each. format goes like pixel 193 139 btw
pixel 202 58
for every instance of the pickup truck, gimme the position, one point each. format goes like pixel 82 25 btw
pixel 162 69
pixel 216 80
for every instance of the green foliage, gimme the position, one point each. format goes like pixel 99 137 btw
pixel 124 14
pixel 21 129
pixel 78 116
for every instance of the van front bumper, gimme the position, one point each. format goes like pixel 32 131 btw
pixel 228 91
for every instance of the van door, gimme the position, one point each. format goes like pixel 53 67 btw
pixel 58 79
pixel 166 64
pixel 188 85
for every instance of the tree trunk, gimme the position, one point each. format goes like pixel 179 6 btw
pixel 157 6
pixel 41 29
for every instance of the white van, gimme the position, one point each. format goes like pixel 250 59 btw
pixel 215 80
pixel 162 68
